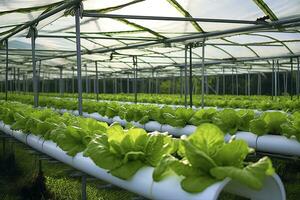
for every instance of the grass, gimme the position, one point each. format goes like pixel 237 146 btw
pixel 20 179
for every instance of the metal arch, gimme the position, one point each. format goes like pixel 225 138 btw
pixel 227 40
pixel 254 52
pixel 140 27
pixel 155 52
pixel 272 38
pixel 106 47
pixel 75 43
pixel 226 52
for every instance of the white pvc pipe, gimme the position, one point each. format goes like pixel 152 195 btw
pixel 7 129
pixel 137 124
pixel 153 126
pixel 119 120
pixel 50 148
pixel 20 136
pixel 85 114
pixel 96 116
pixel 273 189
pixel 35 141
pixel 75 112
pixel 187 130
pixel 250 138
pixel 227 137
pixel 168 187
pixel 140 183
pixel 278 144
pixel 1 126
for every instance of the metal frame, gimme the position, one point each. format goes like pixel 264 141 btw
pixel 192 40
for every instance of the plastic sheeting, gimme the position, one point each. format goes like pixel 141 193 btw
pixel 122 32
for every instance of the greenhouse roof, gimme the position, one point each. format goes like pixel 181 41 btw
pixel 240 36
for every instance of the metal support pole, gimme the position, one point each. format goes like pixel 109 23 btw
pixel 285 82
pixel 24 83
pixel 246 84
pixel 223 81
pixel 14 80
pixel 115 86
pixel 27 84
pixel 217 84
pixel 258 83
pixel 128 84
pixel 292 72
pixel 104 85
pixel 278 80
pixel 11 80
pixel 61 81
pixel 173 85
pixel 42 84
pixel 275 81
pixel 73 80
pixel 156 83
pixel 202 70
pixel 232 82
pixel 191 77
pixel 180 82
pixel 273 63
pixel 142 84
pixel 152 81
pixel 34 78
pixel 78 55
pixel 206 85
pixel 55 85
pixel 249 83
pixel 97 82
pixel 83 187
pixel 18 79
pixel 121 85
pixel 149 85
pixel 65 81
pixel 39 76
pixel 86 80
pixel 237 81
pixel 135 78
pixel 6 69
pixel 298 77
pixel 185 76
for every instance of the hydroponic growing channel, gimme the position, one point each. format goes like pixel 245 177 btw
pixel 168 99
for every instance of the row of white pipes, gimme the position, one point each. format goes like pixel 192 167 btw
pixel 275 144
pixel 142 182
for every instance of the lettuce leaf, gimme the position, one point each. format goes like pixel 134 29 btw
pixel 252 175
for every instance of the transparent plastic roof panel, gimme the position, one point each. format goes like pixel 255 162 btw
pixel 237 34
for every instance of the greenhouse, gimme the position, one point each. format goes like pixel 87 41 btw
pixel 141 99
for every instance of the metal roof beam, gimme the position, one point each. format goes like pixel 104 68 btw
pixel 163 18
